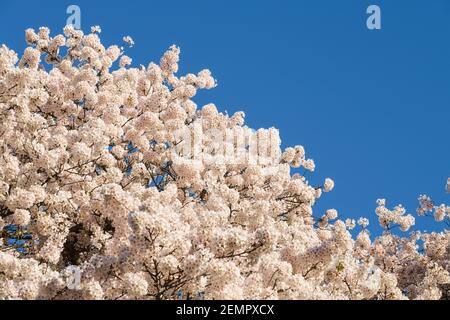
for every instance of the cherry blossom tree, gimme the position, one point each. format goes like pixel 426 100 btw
pixel 114 172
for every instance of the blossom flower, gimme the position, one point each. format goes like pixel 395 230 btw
pixel 440 213
pixel 31 37
pixel 135 284
pixel 328 185
pixel 350 223
pixel 96 29
pixel 363 222
pixel 21 217
pixel 389 218
pixel 309 165
pixel 125 61
pixel 426 205
pixel 128 40
pixel 30 58
pixel 20 199
pixel 332 214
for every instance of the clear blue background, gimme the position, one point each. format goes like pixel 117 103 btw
pixel 370 107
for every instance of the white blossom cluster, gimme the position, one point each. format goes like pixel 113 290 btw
pixel 92 169
pixel 428 208
pixel 389 218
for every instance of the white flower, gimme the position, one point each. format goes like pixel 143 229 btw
pixel 31 36
pixel 309 165
pixel 350 224
pixel 96 29
pixel 128 40
pixel 136 284
pixel 363 222
pixel 328 185
pixel 440 213
pixel 125 61
pixel 332 214
pixel 21 217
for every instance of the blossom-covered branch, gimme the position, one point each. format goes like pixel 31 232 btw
pixel 115 171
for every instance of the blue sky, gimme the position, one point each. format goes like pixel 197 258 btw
pixel 372 108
